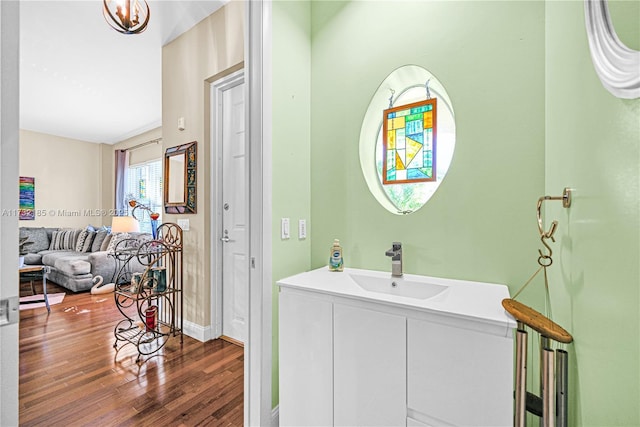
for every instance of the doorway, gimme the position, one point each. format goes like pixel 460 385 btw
pixel 230 203
pixel 258 352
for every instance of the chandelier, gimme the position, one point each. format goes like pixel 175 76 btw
pixel 126 16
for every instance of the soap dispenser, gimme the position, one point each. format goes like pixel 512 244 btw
pixel 336 263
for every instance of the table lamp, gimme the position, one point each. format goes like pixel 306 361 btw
pixel 124 224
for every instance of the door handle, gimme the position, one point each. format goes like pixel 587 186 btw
pixel 225 239
pixel 9 311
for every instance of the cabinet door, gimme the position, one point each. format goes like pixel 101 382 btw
pixel 415 423
pixel 306 360
pixel 369 368
pixel 459 376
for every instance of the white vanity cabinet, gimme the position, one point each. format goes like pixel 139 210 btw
pixel 370 366
pixel 457 376
pixel 362 360
pixel 415 423
pixel 306 360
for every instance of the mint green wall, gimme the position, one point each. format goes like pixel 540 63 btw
pixel 532 118
pixel 480 224
pixel 291 139
pixel 592 145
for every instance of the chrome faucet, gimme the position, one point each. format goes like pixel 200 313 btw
pixel 396 259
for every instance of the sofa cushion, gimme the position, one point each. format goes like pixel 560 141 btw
pixel 86 247
pixel 81 239
pixel 141 237
pixel 33 259
pixel 115 239
pixel 73 265
pixel 50 257
pixel 85 240
pixel 37 235
pixel 97 241
pixel 105 243
pixel 64 239
pixel 100 228
pixel 50 231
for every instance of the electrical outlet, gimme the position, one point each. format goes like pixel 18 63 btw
pixel 302 229
pixel 284 228
pixel 184 224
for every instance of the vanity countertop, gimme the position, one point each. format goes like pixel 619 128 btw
pixel 460 298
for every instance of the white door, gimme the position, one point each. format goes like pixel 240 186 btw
pixel 234 215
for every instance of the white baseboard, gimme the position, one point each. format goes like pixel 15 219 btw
pixel 198 332
pixel 275 416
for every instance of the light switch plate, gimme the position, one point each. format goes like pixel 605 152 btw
pixel 184 224
pixel 284 228
pixel 302 229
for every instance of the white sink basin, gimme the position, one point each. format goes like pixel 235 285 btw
pixel 467 301
pixel 398 286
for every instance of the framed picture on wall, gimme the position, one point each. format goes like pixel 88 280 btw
pixel 27 206
pixel 180 184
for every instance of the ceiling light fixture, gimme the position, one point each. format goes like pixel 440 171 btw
pixel 126 16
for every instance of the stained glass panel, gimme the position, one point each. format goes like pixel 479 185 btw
pixel 409 143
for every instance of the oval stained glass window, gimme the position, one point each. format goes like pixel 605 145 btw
pixel 405 141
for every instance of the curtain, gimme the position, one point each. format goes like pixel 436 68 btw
pixel 122 164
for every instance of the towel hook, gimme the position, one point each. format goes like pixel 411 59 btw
pixel 566 202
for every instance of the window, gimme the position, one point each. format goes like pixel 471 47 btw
pixel 144 183
pixel 408 196
pixel 400 166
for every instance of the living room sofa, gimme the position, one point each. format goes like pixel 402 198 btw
pixel 75 256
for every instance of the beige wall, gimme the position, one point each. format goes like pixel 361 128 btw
pixel 205 53
pixel 139 155
pixel 68 179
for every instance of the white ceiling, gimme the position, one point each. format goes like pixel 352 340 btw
pixel 81 79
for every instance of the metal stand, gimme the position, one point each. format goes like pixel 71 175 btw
pixel 150 300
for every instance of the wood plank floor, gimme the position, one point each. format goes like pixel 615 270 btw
pixel 70 374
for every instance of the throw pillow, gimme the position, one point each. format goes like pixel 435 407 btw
pixel 54 238
pixel 81 238
pixel 107 240
pixel 115 239
pixel 98 240
pixel 64 239
pixel 88 242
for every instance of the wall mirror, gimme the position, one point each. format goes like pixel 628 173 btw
pixel 180 179
pixel 617 65
pixel 400 94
